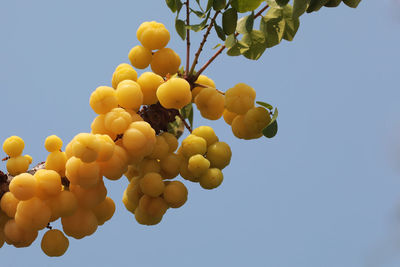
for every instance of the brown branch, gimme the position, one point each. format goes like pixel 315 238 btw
pixel 187 39
pixel 223 47
pixel 197 55
pixel 185 123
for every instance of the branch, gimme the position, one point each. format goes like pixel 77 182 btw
pixel 187 38
pixel 197 55
pixel 185 123
pixel 223 47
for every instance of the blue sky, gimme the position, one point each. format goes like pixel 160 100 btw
pixel 324 193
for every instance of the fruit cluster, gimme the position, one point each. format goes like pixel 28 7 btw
pixel 128 136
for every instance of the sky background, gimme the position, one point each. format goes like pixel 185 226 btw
pixel 325 192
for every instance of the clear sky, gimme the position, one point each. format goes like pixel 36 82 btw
pixel 324 193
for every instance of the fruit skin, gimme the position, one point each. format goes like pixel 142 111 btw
pixel 140 57
pixel 165 61
pixel 24 186
pixel 13 146
pixel 129 95
pixel 211 179
pixel 54 243
pixel 175 194
pixel 240 98
pixel 174 93
pixel 103 99
pixel 219 154
pixel 210 103
pixel 53 143
pixel 149 82
pixel 123 73
pixel 153 35
pixel 202 80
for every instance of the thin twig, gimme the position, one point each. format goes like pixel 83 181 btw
pixel 223 47
pixel 187 39
pixel 185 123
pixel 197 55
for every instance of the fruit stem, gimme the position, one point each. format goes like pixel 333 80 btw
pixel 223 47
pixel 197 55
pixel 185 123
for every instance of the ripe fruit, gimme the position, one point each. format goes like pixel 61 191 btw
pixel 53 143
pixel 210 103
pixel 240 98
pixel 219 154
pixel 165 61
pixel 121 73
pixel 174 93
pixel 152 184
pixel 103 99
pixel 175 194
pixel 211 179
pixel 203 82
pixel 140 57
pixel 153 35
pixel 149 82
pixel 54 243
pixel 23 186
pixel 13 146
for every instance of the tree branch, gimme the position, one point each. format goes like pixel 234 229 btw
pixel 185 123
pixel 197 55
pixel 187 39
pixel 223 47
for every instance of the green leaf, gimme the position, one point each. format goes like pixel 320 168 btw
pixel 243 6
pixel 333 3
pixel 230 41
pixel 185 111
pixel 292 24
pixel 177 127
pixel 316 5
pixel 172 5
pixel 299 7
pixel 273 26
pixel 179 5
pixel 209 4
pixel 352 3
pixel 198 13
pixel 219 5
pixel 245 24
pixel 266 105
pixel 282 2
pixel 234 51
pixel 229 21
pixel 271 130
pixel 180 28
pixel 257 45
pixel 220 32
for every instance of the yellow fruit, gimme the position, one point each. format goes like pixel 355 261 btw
pixel 171 140
pixel 84 174
pixel 116 166
pixel 98 127
pixel 256 119
pixel 62 205
pixel 187 174
pixel 153 35
pixel 193 145
pixel 149 165
pixel 56 161
pixel 54 243
pixel 210 103
pixel 207 133
pixel 229 116
pixel 211 179
pixel 161 148
pixel 17 165
pixel 139 140
pixel 53 143
pixel 165 61
pixel 82 223
pixel 9 204
pixel 144 218
pixel 174 93
pixel 18 236
pixel 140 57
pixel 23 186
pixel 103 99
pixel 203 82
pixel 170 165
pixel 123 73
pixel 198 165
pixel 48 183
pixel 149 82
pixel 117 120
pixel 32 214
pixel 89 198
pixel 219 154
pixel 152 184
pixel 129 95
pixel 153 206
pixel 240 129
pixel 13 146
pixel 240 98
pixel 107 147
pixel 104 211
pixel 175 194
